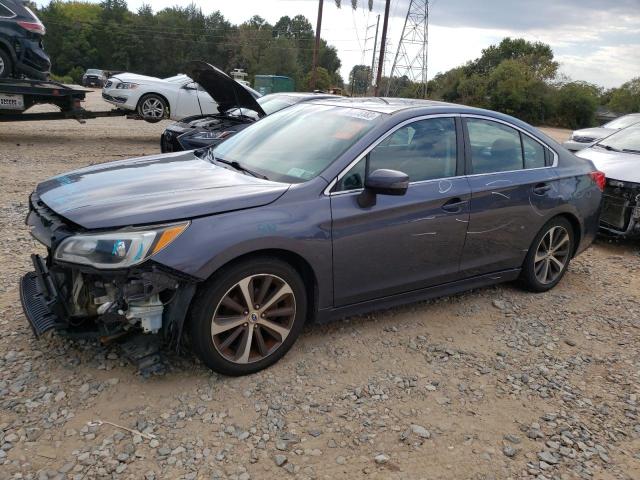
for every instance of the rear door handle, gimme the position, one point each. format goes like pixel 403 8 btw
pixel 541 188
pixel 454 205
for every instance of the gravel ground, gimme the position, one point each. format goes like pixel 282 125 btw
pixel 491 384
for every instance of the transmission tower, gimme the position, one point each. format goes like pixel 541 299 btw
pixel 411 57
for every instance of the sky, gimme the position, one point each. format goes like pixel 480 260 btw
pixel 594 40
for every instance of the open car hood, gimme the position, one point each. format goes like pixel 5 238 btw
pixel 226 92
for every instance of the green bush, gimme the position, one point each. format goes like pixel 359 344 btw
pixel 61 78
pixel 575 105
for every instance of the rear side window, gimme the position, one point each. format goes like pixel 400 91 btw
pixel 5 12
pixel 534 153
pixel 494 147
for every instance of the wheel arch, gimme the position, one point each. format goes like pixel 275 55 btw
pixel 577 229
pixel 297 261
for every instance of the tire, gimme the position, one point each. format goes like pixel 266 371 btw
pixel 153 108
pixel 544 267
pixel 6 65
pixel 218 306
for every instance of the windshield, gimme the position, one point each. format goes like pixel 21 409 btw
pixel 627 140
pixel 297 143
pixel 92 71
pixel 623 122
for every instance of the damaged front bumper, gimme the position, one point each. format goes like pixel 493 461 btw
pixel 84 301
pixel 620 215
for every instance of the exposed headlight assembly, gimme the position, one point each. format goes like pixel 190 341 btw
pixel 126 86
pixel 117 249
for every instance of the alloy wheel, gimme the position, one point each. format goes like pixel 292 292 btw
pixel 552 255
pixel 2 66
pixel 152 108
pixel 253 318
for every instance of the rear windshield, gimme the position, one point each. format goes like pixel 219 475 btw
pixel 296 144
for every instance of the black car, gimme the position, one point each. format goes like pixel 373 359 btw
pixel 94 78
pixel 321 210
pixel 21 50
pixel 200 131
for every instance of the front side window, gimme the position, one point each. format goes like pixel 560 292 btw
pixel 424 150
pixel 297 143
pixel 494 147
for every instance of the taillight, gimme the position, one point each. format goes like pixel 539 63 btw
pixel 35 27
pixel 599 179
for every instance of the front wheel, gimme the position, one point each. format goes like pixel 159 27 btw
pixel 153 108
pixel 549 256
pixel 6 67
pixel 247 316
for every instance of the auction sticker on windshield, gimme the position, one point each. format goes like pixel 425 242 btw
pixel 11 102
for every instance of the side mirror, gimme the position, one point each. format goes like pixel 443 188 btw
pixel 383 182
pixel 190 86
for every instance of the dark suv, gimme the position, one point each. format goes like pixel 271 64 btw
pixel 21 50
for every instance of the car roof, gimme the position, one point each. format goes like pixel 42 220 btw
pixel 387 105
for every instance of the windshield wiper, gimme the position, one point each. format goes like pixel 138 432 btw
pixel 607 147
pixel 630 150
pixel 235 164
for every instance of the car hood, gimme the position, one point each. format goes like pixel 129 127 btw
pixel 135 78
pixel 226 92
pixel 615 165
pixel 153 189
pixel 597 132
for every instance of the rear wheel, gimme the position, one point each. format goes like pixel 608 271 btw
pixel 549 256
pixel 153 108
pixel 6 67
pixel 248 316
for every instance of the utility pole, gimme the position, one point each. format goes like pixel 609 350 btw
pixel 373 57
pixel 316 50
pixel 383 46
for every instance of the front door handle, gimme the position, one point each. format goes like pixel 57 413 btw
pixel 541 188
pixel 454 205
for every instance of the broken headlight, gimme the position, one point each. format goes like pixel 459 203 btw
pixel 117 249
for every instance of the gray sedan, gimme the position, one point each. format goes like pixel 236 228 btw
pixel 322 210
pixel 587 137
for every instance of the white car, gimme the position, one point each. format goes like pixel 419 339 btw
pixel 587 137
pixel 157 98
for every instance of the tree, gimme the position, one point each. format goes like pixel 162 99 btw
pixel 538 56
pixel 626 99
pixel 323 80
pixel 575 104
pixel 359 79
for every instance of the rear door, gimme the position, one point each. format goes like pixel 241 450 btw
pixel 510 185
pixel 408 242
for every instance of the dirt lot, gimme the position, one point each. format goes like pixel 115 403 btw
pixel 492 384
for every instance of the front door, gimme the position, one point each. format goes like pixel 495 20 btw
pixel 188 103
pixel 402 243
pixel 510 187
